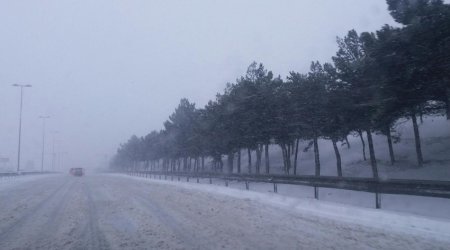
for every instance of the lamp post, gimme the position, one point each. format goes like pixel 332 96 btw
pixel 21 86
pixel 53 150
pixel 43 140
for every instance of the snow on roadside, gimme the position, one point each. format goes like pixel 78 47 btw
pixel 10 182
pixel 381 219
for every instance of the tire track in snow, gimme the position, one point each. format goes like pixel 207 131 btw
pixel 91 231
pixel 13 227
pixel 167 232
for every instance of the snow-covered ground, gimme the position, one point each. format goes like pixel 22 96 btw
pixel 13 181
pixel 121 212
pixel 424 206
pixel 401 222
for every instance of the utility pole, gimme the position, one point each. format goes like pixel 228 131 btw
pixel 43 140
pixel 21 86
pixel 53 150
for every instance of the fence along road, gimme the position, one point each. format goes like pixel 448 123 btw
pixel 427 188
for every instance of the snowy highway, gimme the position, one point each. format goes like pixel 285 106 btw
pixel 121 212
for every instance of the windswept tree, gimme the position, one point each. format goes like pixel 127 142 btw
pixel 252 95
pixel 338 112
pixel 354 68
pixel 311 93
pixel 180 127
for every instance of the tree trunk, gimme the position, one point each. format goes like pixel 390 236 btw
pixel 448 103
pixel 239 161
pixel 417 140
pixel 221 164
pixel 296 156
pixel 283 152
pixel 338 158
pixel 266 158
pixel 373 160
pixel 258 158
pixel 363 144
pixel 203 163
pixel 230 163
pixel 249 160
pixel 316 157
pixel 288 158
pixel 391 149
pixel 347 142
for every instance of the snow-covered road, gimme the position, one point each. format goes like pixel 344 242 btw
pixel 120 212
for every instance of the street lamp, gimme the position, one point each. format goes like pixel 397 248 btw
pixel 43 140
pixel 21 86
pixel 53 150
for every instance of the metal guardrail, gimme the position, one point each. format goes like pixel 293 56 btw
pixel 16 174
pixel 427 188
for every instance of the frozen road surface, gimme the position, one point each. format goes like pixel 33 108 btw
pixel 121 212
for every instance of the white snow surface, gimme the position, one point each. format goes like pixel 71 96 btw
pixel 113 211
pixel 381 219
pixel 13 181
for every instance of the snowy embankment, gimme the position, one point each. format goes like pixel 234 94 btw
pixel 435 140
pixel 366 217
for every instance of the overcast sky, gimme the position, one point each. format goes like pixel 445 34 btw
pixel 104 70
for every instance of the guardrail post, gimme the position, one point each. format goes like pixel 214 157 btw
pixel 275 187
pixel 316 192
pixel 246 185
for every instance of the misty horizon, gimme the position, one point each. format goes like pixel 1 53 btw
pixel 104 71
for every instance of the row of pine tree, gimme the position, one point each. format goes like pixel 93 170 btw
pixel 374 80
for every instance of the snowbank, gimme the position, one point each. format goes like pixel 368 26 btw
pixel 10 182
pixel 367 217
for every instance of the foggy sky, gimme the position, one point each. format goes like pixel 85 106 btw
pixel 105 70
